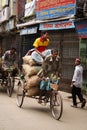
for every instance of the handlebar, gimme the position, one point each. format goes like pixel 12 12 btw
pixel 9 69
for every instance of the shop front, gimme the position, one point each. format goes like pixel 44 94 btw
pixel 28 35
pixel 64 37
pixel 81 27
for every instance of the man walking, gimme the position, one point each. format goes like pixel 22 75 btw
pixel 77 83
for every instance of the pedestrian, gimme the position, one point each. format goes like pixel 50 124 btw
pixel 76 84
pixel 40 47
pixel 50 72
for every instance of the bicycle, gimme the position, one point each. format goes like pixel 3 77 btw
pixel 53 98
pixel 8 81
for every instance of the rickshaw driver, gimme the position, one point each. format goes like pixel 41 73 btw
pixel 50 72
pixel 10 60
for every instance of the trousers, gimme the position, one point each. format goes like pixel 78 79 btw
pixel 76 92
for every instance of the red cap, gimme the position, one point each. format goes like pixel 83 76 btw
pixel 78 59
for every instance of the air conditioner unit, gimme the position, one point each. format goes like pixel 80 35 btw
pixel 4 3
pixel 13 8
pixel 12 24
pixel 5 14
pixel 85 9
pixel 81 8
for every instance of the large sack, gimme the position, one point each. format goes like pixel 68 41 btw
pixel 30 70
pixel 26 77
pixel 33 81
pixel 38 58
pixel 28 60
pixel 25 68
pixel 34 91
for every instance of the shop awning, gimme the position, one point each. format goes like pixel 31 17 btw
pixel 31 22
pixel 34 21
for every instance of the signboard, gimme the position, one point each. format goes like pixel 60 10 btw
pixel 56 25
pixel 27 31
pixel 46 9
pixel 81 27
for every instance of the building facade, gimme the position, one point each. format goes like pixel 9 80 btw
pixel 65 22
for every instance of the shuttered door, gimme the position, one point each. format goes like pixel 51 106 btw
pixel 70 47
pixel 27 42
pixel 67 43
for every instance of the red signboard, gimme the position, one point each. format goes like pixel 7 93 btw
pixel 47 9
pixel 46 4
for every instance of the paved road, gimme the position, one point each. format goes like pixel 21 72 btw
pixel 33 116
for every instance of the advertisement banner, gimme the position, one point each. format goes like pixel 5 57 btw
pixel 56 25
pixel 46 9
pixel 81 27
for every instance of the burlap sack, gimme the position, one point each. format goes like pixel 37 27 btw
pixel 33 81
pixel 34 91
pixel 28 60
pixel 26 77
pixel 30 70
pixel 32 62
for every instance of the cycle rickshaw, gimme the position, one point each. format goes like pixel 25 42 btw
pixel 53 98
pixel 8 80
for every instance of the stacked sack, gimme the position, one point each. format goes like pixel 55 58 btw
pixel 30 70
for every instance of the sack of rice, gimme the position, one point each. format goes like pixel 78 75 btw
pixel 28 60
pixel 31 70
pixel 34 70
pixel 26 77
pixel 25 68
pixel 34 91
pixel 33 81
pixel 32 62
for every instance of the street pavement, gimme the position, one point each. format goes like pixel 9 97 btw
pixel 34 116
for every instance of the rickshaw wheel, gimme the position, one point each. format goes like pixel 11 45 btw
pixel 10 86
pixel 20 94
pixel 56 105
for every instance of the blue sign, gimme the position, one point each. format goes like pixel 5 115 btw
pixel 57 25
pixel 81 27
